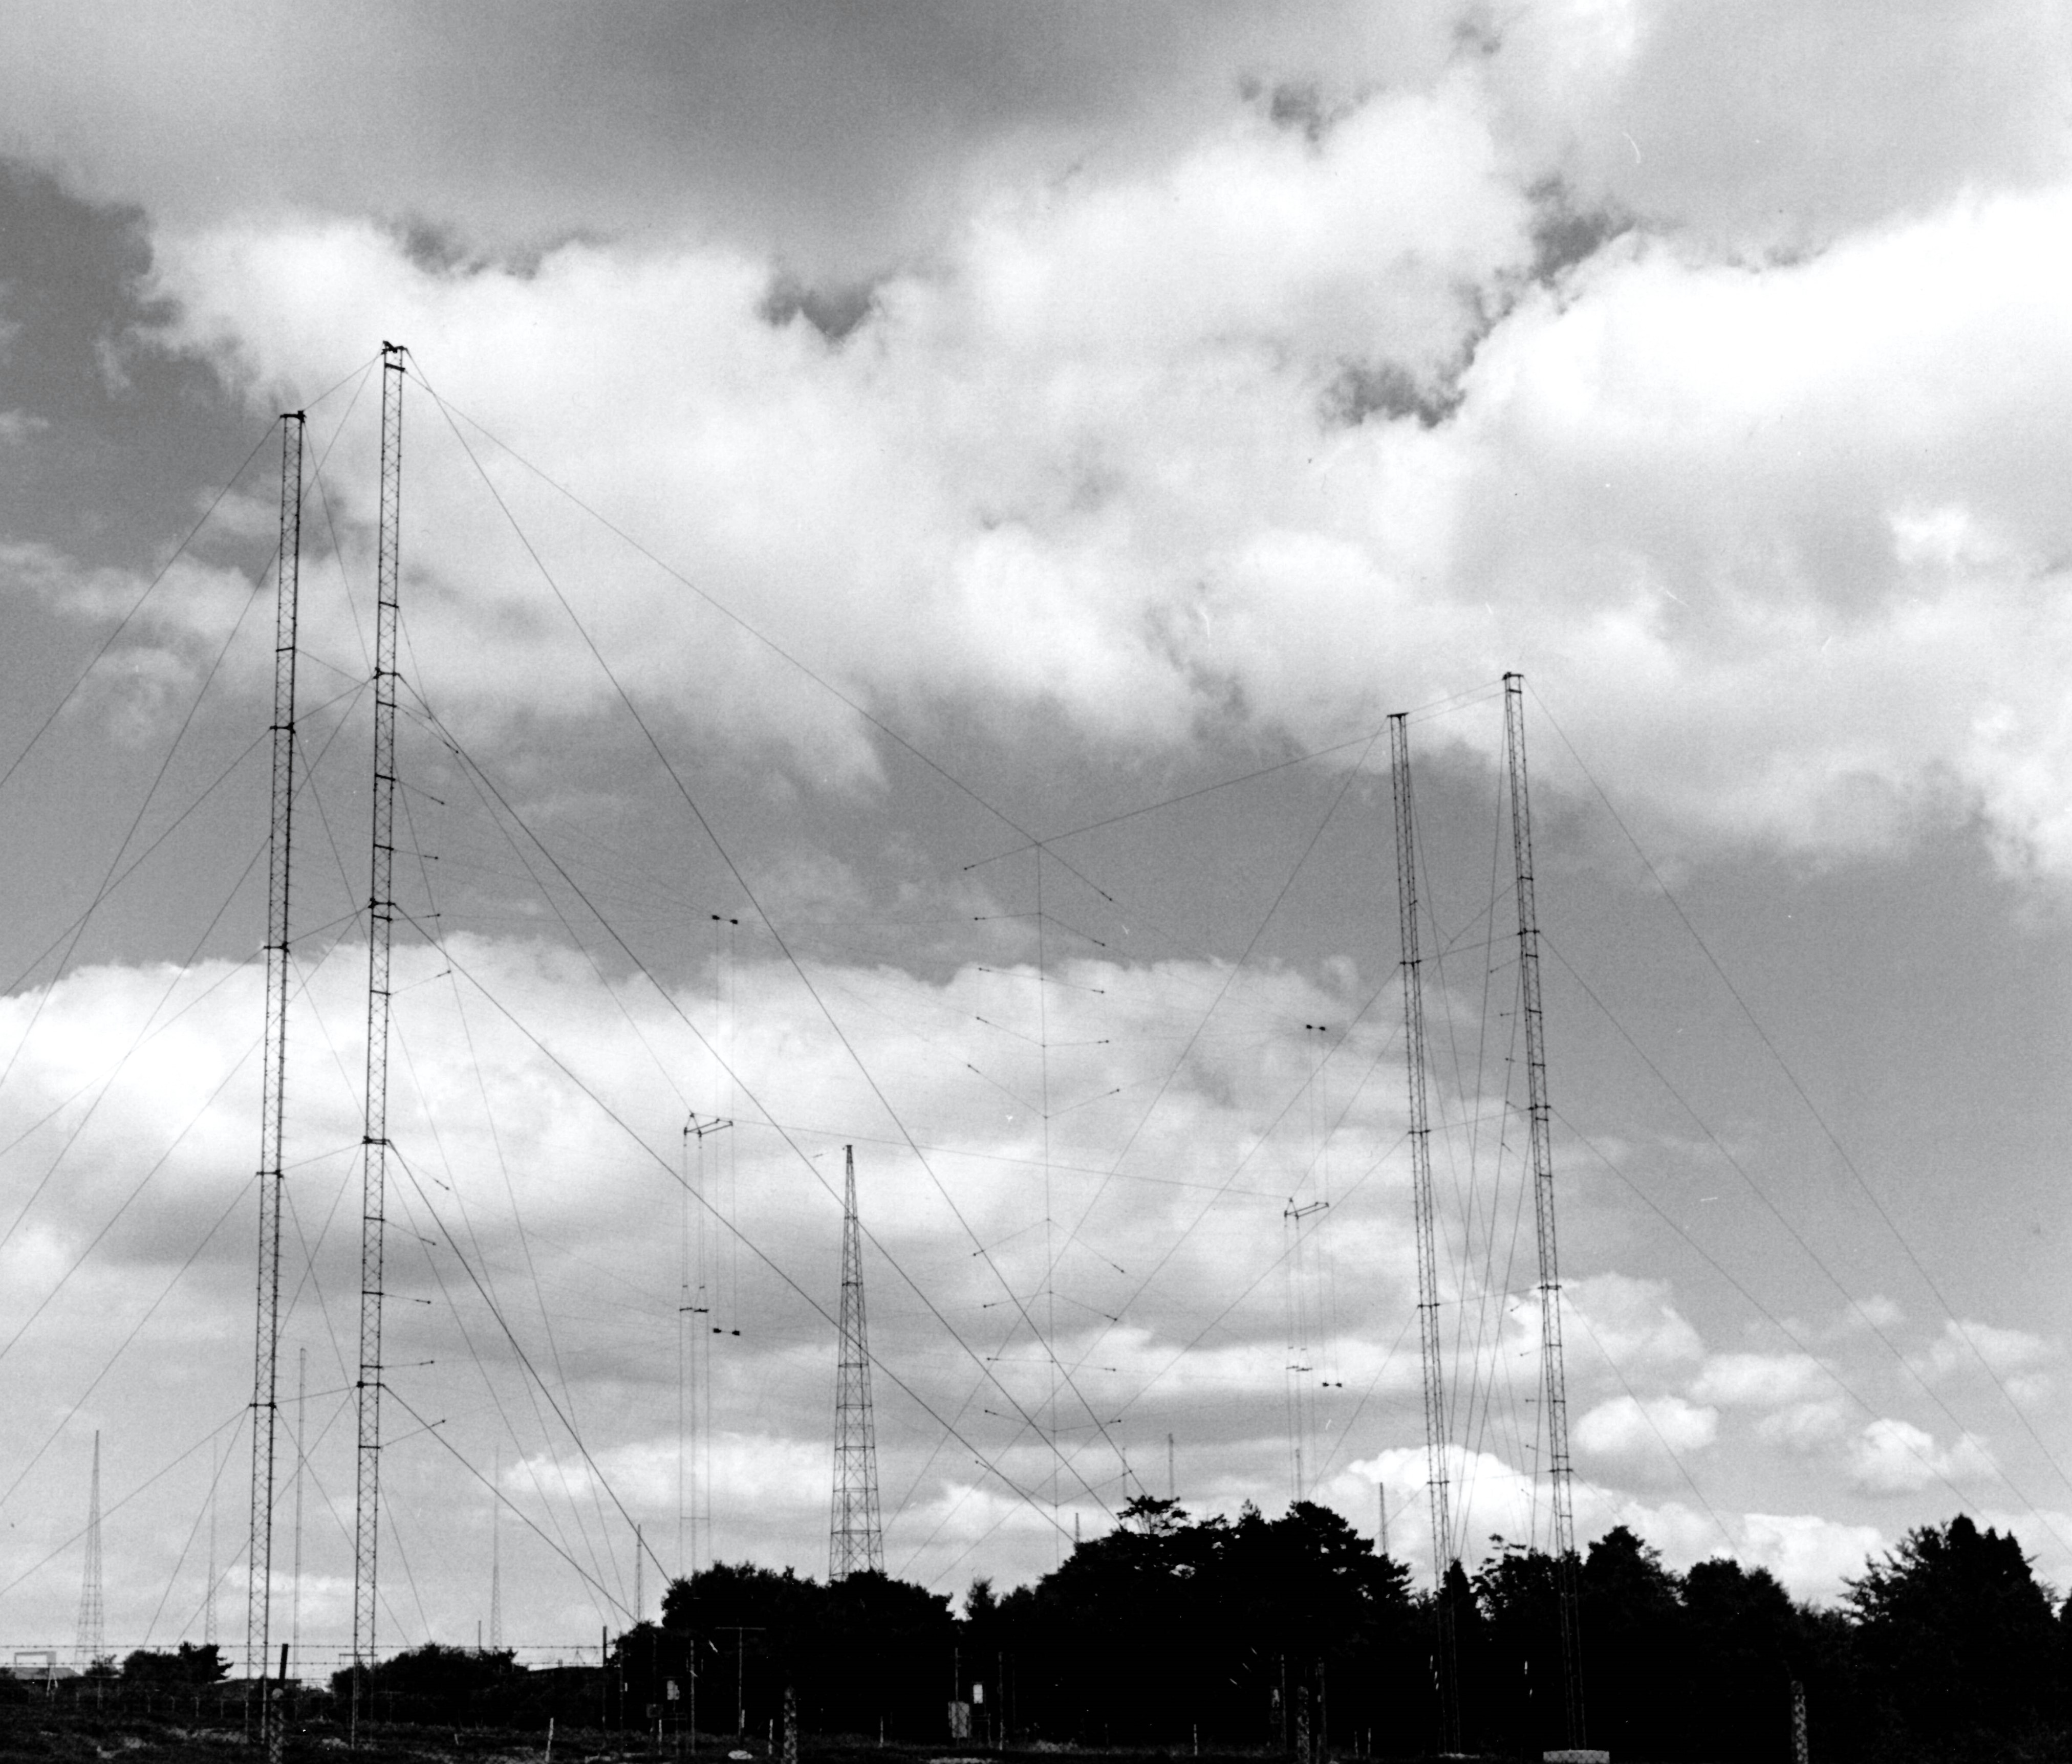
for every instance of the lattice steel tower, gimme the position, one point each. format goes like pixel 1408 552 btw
pixel 856 1540
pixel 1427 1222
pixel 381 922
pixel 1554 1385
pixel 92 1635
pixel 272 1083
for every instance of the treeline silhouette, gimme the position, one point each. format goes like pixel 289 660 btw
pixel 1254 1635
pixel 1225 1635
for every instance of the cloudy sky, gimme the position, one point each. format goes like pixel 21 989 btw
pixel 915 517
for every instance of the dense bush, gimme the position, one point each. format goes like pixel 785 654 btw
pixel 187 1668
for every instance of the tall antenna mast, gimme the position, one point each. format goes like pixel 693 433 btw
pixel 1427 1266
pixel 496 1560
pixel 208 1597
pixel 380 920
pixel 856 1542
pixel 272 1083
pixel 301 1436
pixel 92 1639
pixel 1553 1378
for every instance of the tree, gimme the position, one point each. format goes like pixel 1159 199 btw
pixel 1635 1651
pixel 1958 1641
pixel 1748 1643
pixel 433 1682
pixel 1515 1691
pixel 867 1649
pixel 186 1669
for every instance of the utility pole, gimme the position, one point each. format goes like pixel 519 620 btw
pixel 92 1632
pixel 272 1083
pixel 380 924
pixel 856 1540
pixel 1553 1380
pixel 1172 1478
pixel 1427 1224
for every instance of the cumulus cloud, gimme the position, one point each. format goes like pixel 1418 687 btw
pixel 1807 1428
pixel 1584 341
pixel 1894 1457
pixel 2017 1358
pixel 1223 439
pixel 1633 1323
pixel 1654 1433
pixel 539 1217
pixel 1811 1555
pixel 1760 1381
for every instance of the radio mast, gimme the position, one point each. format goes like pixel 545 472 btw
pixel 92 1637
pixel 273 1084
pixel 856 1542
pixel 380 921
pixel 1428 1270
pixel 1554 1383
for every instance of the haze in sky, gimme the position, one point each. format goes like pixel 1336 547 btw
pixel 915 516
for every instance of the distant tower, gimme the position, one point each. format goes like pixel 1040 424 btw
pixel 208 1597
pixel 301 1411
pixel 856 1540
pixel 1431 1343
pixel 92 1627
pixel 381 930
pixel 496 1563
pixel 1554 1389
pixel 273 1089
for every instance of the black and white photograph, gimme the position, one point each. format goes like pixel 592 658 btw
pixel 967 878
